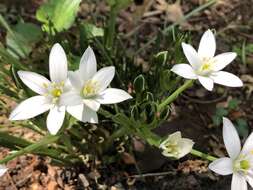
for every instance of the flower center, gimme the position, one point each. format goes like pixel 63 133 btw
pixel 242 164
pixel 206 67
pixel 172 147
pixel 55 90
pixel 90 88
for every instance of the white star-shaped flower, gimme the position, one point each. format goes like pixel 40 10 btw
pixel 90 89
pixel 240 162
pixel 50 92
pixel 205 66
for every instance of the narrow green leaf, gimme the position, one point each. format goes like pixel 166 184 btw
pixel 46 140
pixel 26 34
pixel 139 84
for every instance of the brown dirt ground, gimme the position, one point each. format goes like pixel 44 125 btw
pixel 193 118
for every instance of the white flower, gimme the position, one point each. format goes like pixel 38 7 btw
pixel 175 146
pixel 206 67
pixel 50 92
pixel 240 162
pixel 3 169
pixel 90 89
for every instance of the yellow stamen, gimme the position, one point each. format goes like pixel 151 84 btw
pixel 206 67
pixel 90 88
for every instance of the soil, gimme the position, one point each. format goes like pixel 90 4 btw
pixel 191 114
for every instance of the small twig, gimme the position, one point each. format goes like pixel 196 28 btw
pixel 224 95
pixel 153 174
pixel 11 180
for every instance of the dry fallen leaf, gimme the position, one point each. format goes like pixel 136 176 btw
pixel 138 145
pixel 173 12
pixel 128 158
pixel 188 166
pixel 52 185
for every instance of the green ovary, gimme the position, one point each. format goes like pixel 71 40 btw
pixel 244 164
pixel 56 92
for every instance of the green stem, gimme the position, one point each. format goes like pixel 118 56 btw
pixel 203 155
pixel 30 148
pixel 175 94
pixel 111 28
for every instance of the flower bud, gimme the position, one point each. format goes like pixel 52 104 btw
pixel 175 146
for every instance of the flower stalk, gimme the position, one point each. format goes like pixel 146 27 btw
pixel 202 155
pixel 175 94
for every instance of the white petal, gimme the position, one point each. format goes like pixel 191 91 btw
pixel 92 104
pixel 88 64
pixel 206 82
pixel 248 145
pixel 222 60
pixel 112 96
pixel 30 108
pixel 191 55
pixel 104 77
pixel 89 115
pixel 249 179
pixel 75 79
pixel 55 119
pixel 226 79
pixel 231 139
pixel 238 182
pixel 222 166
pixel 3 169
pixel 207 45
pixel 58 65
pixel 185 146
pixel 184 70
pixel 34 81
pixel 83 113
pixel 67 86
pixel 71 98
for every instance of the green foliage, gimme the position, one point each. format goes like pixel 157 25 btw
pixel 57 15
pixel 243 51
pixel 224 111
pixel 162 57
pixel 139 84
pixel 119 4
pixel 89 31
pixel 26 34
pixel 242 127
pixel 233 104
pixel 217 117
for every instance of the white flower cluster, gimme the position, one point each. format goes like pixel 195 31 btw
pixel 80 92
